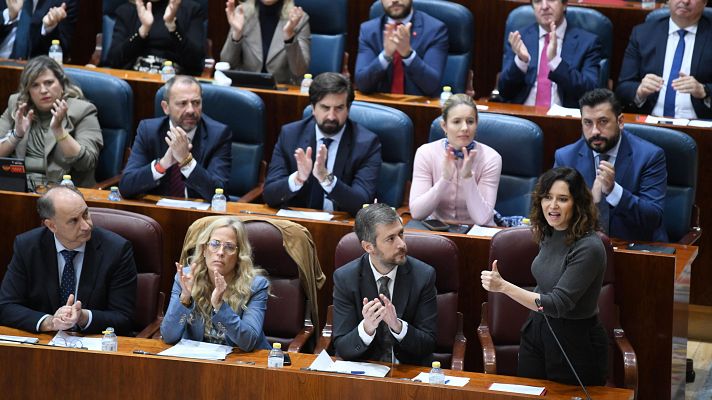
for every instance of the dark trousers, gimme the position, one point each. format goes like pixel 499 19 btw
pixel 584 340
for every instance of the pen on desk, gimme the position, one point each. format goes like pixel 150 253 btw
pixel 357 372
pixel 245 362
pixel 256 213
pixel 146 353
pixel 447 381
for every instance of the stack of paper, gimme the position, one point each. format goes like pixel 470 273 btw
pixel 522 389
pixel 195 205
pixel 483 231
pixel 315 215
pixel 62 339
pixel 449 380
pixel 199 350
pixel 18 339
pixel 324 363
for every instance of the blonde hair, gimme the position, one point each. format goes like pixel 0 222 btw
pixel 238 291
pixel 36 67
pixel 249 8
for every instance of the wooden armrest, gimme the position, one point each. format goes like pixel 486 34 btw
pixel 150 330
pixel 324 340
pixel 630 361
pixel 302 337
pixel 489 357
pixel 696 231
pixel 458 348
pixel 107 183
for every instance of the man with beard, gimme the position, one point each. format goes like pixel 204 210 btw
pixel 403 51
pixel 67 274
pixel 627 175
pixel 667 66
pixel 369 322
pixel 550 61
pixel 184 154
pixel 326 161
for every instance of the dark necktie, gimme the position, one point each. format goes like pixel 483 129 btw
pixel 669 106
pixel 327 142
pixel 176 182
pixel 384 333
pixel 21 47
pixel 69 279
pixel 398 81
pixel 604 209
pixel 543 84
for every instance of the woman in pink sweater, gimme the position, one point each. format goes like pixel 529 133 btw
pixel 455 179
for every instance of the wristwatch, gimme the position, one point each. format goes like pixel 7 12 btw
pixel 328 180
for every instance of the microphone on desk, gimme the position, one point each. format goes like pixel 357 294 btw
pixel 541 310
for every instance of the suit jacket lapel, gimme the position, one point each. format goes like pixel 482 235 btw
pixel 92 259
pixel 52 269
pixel 201 135
pixel 585 164
pixel 367 284
pixel 401 288
pixel 660 38
pixel 343 154
pixel 701 39
pixel 277 44
pixel 532 42
pixel 416 30
pixel 623 160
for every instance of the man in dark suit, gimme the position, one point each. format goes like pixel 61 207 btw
pixel 403 51
pixel 29 26
pixel 549 62
pixel 185 154
pixel 627 175
pixel 667 66
pixel 338 173
pixel 371 324
pixel 68 274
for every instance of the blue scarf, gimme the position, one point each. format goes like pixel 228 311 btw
pixel 458 152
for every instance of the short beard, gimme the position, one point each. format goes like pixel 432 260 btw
pixel 405 13
pixel 607 145
pixel 330 129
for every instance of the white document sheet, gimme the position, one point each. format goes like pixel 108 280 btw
pixel 198 350
pixel 449 380
pixel 523 389
pixel 195 205
pixel 18 339
pixel 477 230
pixel 667 121
pixel 324 363
pixel 559 111
pixel 315 215
pixel 62 339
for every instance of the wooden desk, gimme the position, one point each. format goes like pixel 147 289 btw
pixel 653 294
pixel 38 372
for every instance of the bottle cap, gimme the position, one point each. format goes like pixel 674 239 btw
pixel 526 221
pixel 55 41
pixel 436 364
pixel 168 63
pixel 277 346
pixel 219 191
pixel 307 76
pixel 447 89
pixel 114 188
pixel 67 177
pixel 108 330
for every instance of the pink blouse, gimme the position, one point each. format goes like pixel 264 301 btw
pixel 461 201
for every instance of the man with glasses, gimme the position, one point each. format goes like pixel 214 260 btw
pixel 68 274
pixel 627 175
pixel 184 154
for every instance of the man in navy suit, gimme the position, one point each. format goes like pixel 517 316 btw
pixel 627 175
pixel 402 52
pixel 185 154
pixel 667 66
pixel 549 62
pixel 369 322
pixel 325 161
pixel 68 274
pixel 29 26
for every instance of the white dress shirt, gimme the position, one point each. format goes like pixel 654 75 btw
pixel 553 64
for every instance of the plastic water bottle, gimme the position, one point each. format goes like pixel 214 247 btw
pixel 445 94
pixel 114 195
pixel 109 342
pixel 436 374
pixel 167 72
pixel 67 181
pixel 276 356
pixel 55 52
pixel 219 202
pixel 306 82
pixel 648 4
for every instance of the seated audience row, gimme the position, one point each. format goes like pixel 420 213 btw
pixel 385 305
pixel 455 179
